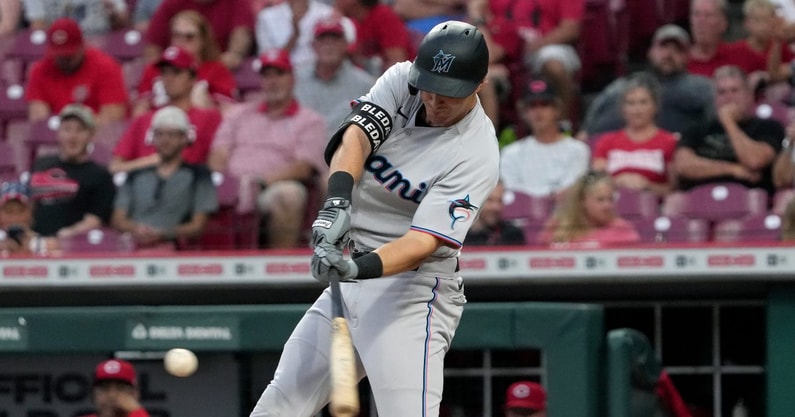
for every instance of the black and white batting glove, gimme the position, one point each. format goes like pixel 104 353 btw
pixel 328 262
pixel 333 223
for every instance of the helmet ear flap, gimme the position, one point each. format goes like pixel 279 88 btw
pixel 413 90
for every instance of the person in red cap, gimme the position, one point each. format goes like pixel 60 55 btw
pixel 71 72
pixel 215 84
pixel 525 399
pixel 177 69
pixel 116 390
pixel 278 144
pixel 329 85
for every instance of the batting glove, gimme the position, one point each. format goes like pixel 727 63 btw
pixel 328 262
pixel 333 223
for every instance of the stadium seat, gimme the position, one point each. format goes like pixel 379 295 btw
pixel 247 77
pixel 97 240
pixel 635 204
pixel 773 109
pixel 12 105
pixel 8 163
pixel 519 208
pixel 27 46
pixel 42 137
pixel 665 229
pixel 765 227
pixel 227 229
pixel 124 44
pixel 716 202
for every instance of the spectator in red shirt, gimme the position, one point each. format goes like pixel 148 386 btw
pixel 232 22
pixel 639 155
pixel 278 144
pixel 547 31
pixel 381 36
pixel 215 86
pixel 72 72
pixel 760 24
pixel 116 391
pixel 178 72
pixel 708 23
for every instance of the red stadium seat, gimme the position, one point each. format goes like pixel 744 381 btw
pixel 766 227
pixel 665 229
pixel 124 44
pixel 42 138
pixel 98 240
pixel 227 229
pixel 519 208
pixel 247 77
pixel 12 105
pixel 715 202
pixel 635 204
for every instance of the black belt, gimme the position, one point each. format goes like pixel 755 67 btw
pixel 359 254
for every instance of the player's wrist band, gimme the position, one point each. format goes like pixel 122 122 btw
pixel 370 266
pixel 340 185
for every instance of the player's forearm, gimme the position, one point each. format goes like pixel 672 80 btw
pixel 351 154
pixel 407 252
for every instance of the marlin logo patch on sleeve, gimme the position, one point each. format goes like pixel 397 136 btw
pixel 442 62
pixel 460 210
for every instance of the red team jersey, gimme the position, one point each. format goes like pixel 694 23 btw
pixel 541 15
pixel 98 81
pixel 132 144
pixel 650 158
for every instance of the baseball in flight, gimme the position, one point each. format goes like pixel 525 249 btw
pixel 180 362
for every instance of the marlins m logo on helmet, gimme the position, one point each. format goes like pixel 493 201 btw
pixel 442 62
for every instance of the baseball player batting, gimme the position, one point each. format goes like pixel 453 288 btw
pixel 409 168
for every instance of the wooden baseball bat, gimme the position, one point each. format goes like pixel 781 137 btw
pixel 344 384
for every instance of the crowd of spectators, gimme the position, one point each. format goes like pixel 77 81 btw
pixel 706 108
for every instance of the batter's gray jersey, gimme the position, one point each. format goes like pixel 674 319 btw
pixel 429 179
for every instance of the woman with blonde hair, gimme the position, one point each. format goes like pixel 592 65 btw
pixel 215 84
pixel 588 215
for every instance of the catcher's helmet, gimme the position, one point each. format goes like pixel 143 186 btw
pixel 452 60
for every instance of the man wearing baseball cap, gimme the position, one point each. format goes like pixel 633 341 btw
pixel 116 390
pixel 72 72
pixel 685 100
pixel 547 162
pixel 163 204
pixel 525 399
pixel 74 193
pixel 178 79
pixel 328 86
pixel 276 143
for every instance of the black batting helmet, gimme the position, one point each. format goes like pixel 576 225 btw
pixel 451 61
